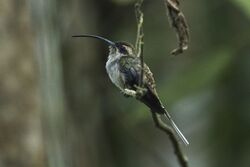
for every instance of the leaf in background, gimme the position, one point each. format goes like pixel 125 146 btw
pixel 244 5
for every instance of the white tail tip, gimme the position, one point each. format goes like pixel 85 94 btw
pixel 181 136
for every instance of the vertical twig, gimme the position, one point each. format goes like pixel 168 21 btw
pixel 139 39
pixel 177 148
pixel 139 51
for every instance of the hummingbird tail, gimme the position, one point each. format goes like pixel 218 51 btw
pixel 154 103
pixel 176 129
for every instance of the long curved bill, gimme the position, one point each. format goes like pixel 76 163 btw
pixel 96 37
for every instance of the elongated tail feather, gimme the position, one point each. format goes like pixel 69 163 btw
pixel 181 136
pixel 153 102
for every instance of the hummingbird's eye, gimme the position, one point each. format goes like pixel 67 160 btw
pixel 123 50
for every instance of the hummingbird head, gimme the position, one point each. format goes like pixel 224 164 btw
pixel 124 48
pixel 115 48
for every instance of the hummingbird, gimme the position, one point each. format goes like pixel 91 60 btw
pixel 124 69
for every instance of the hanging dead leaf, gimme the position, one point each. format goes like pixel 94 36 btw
pixel 179 23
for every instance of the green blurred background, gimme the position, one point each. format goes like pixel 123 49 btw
pixel 58 107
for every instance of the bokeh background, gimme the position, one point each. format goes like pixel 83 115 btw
pixel 58 107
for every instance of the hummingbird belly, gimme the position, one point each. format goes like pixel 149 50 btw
pixel 114 73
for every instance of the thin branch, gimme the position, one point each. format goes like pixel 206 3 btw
pixel 177 148
pixel 178 21
pixel 139 39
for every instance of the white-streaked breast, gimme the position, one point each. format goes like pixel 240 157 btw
pixel 112 67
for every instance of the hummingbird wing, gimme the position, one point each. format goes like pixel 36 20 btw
pixel 130 67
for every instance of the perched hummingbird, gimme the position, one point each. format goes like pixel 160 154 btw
pixel 124 69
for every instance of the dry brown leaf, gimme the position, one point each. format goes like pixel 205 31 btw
pixel 178 21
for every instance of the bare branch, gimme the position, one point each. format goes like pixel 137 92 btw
pixel 139 39
pixel 178 21
pixel 177 148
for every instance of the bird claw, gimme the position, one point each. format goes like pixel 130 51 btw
pixel 129 93
pixel 140 92
pixel 125 94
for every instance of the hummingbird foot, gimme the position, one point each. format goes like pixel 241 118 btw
pixel 129 93
pixel 140 92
